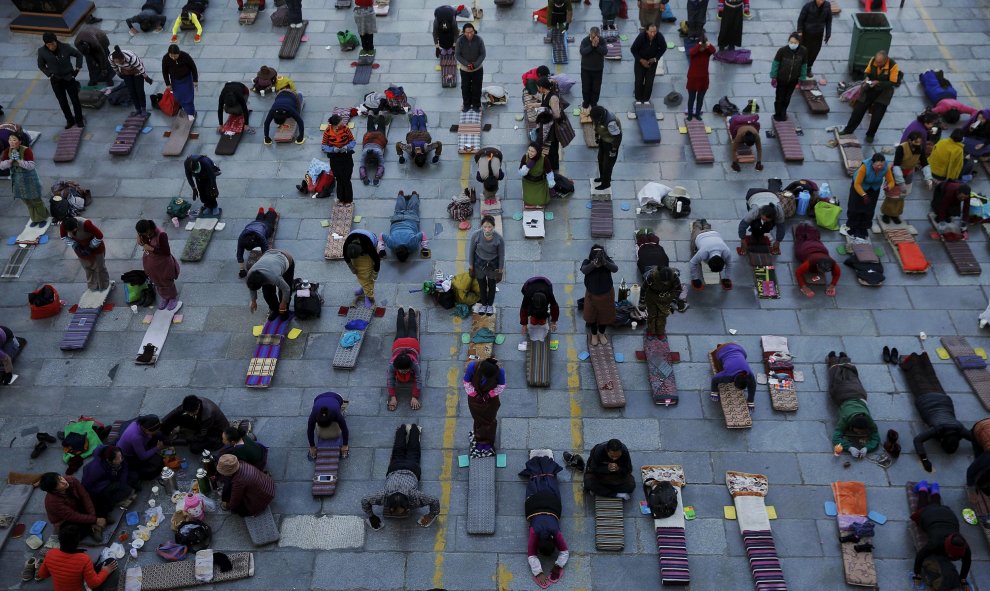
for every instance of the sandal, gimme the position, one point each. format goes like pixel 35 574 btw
pixel 393 403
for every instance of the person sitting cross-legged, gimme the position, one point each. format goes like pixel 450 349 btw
pixel 248 491
pixel 67 502
pixel 608 472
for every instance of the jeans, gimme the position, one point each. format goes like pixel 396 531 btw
pixel 135 86
pixel 67 91
pixel 696 99
pixel 405 454
pixel 591 87
pixel 471 88
pixel 643 85
pixel 270 292
pixel 342 166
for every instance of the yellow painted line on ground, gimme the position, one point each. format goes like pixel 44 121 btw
pixel 923 13
pixel 24 98
pixel 450 406
pixel 574 393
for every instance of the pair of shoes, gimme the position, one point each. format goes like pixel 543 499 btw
pixel 172 304
pixel 896 219
pixel 147 354
pixel 30 569
pixel 891 355
pixel 885 219
pixel 45 438
pixel 574 461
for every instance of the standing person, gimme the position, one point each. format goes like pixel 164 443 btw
pixel 363 260
pixel 608 134
pixel 882 78
pixel 19 160
pixel 404 370
pixel 487 255
pixel 86 240
pixel 288 103
pixel 366 25
pixel 647 50
pixel 745 130
pixel 295 13
pixel 599 297
pixel 444 29
pixel 255 235
pixel 609 10
pixel 469 51
pixel 553 107
pixel 814 27
pixel 327 426
pixel 130 68
pixel 697 14
pixel 789 66
pixel 108 480
pixel 484 382
pixel 201 174
pixel 593 52
pixel 650 12
pixel 10 348
pixel 248 491
pixel 909 158
pixel 338 144
pixel 941 526
pixel 55 61
pixel 234 101
pixel 538 312
pixel 273 274
pixel 535 177
pixel 864 193
pixel 731 13
pixel 401 491
pixel 93 43
pixel 69 567
pixel 159 263
pixel 489 161
pixel 181 76
pixel 543 510
pixel 697 76
pixel 608 472
pixel 151 18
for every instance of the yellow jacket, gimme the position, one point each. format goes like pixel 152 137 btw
pixel 946 159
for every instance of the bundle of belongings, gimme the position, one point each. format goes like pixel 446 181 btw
pixel 318 180
pixel 656 195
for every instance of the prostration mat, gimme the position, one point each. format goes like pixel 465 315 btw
pixel 538 363
pixel 341 218
pixel 610 530
pixel 172 576
pixel 262 528
pixel 850 499
pixel 346 357
pixel 978 378
pixel 327 464
pixel 609 385
pixel 663 384
pixel 481 496
pixel 790 145
pixel 670 535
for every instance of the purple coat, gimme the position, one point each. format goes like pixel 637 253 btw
pixel 134 444
pixel 98 474
pixel 733 358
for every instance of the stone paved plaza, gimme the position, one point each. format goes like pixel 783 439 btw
pixel 207 354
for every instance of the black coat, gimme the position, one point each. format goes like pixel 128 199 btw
pixel 814 20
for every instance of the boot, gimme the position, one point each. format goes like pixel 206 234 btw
pixel 147 354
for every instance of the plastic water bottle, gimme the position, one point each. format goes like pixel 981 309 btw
pixel 825 192
pixel 804 199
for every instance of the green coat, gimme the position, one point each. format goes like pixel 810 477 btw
pixel 658 299
pixel 535 188
pixel 84 428
pixel 847 411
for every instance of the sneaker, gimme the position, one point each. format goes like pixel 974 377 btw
pixel 623 496
pixel 30 569
pixel 933 489
pixel 682 306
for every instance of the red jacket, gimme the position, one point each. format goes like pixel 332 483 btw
pixel 83 236
pixel 251 489
pixel 73 505
pixel 68 571
pixel 697 74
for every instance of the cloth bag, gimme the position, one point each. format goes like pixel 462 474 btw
pixel 167 104
pixel 827 215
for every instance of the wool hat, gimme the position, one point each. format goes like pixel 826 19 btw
pixel 672 99
pixel 49 38
pixel 266 72
pixel 228 465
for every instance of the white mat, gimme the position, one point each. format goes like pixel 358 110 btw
pixel 95 299
pixel 751 512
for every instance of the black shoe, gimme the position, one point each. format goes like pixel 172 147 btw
pixel 70 124
pixel 92 20
pixel 830 359
pixel 45 437
pixel 272 315
pixel 892 436
pixel 780 117
pixel 885 219
pixel 23 342
pixel 80 122
pixel 849 538
pixel 147 354
pixel 865 547
pixel 596 180
pixel 603 186
pixel 896 219
pixel 895 356
pixel 682 306
pixel 885 355
pixel 38 449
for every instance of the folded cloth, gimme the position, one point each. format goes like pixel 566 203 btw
pixel 222 562
pixel 483 335
pixel 461 310
pixel 350 338
pixel 851 522
pixel 356 324
pixel 850 498
pixel 204 565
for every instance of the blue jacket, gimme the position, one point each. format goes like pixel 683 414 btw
pixel 289 102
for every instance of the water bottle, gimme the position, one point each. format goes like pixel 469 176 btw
pixel 804 199
pixel 168 481
pixel 825 192
pixel 208 464
pixel 204 482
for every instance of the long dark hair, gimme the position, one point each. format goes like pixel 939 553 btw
pixel 485 378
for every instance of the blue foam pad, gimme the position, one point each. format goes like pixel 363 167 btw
pixel 830 509
pixel 646 117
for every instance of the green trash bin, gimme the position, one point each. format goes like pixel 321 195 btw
pixel 871 33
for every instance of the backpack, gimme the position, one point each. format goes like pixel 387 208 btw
pixel 178 208
pixel 562 185
pixel 661 496
pixel 310 306
pixel 92 99
pixel 725 107
pixel 59 209
pixel 138 289
pixel 738 121
pixel 44 302
pixel 348 41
